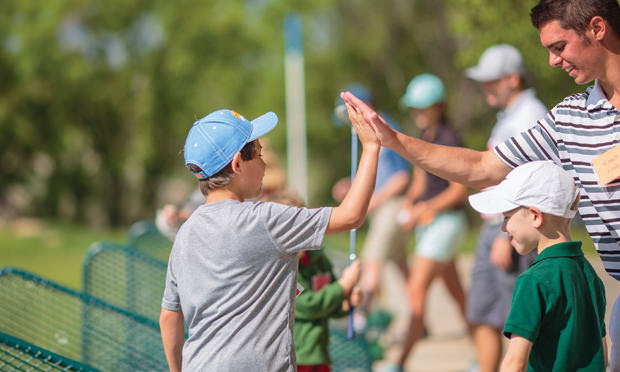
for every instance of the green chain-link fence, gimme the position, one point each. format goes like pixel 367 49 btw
pixel 76 325
pixel 19 355
pixel 348 355
pixel 125 277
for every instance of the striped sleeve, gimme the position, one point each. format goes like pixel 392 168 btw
pixel 537 143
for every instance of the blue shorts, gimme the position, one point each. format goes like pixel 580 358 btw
pixel 440 239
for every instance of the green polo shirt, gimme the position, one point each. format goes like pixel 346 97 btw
pixel 559 304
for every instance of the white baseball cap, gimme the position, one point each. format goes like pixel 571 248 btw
pixel 496 62
pixel 540 184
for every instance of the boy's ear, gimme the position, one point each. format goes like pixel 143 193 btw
pixel 236 163
pixel 537 217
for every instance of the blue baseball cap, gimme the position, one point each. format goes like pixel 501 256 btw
pixel 423 91
pixel 213 141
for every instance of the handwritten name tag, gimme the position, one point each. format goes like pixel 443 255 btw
pixel 607 165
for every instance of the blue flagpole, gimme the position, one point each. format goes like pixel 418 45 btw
pixel 352 233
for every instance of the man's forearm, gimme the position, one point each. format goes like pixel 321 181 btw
pixel 472 168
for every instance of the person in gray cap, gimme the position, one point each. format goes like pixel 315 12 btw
pixel 500 72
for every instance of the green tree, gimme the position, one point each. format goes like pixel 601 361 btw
pixel 96 97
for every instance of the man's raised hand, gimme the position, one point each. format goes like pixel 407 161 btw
pixel 385 133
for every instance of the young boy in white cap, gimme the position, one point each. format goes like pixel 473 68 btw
pixel 556 321
pixel 232 271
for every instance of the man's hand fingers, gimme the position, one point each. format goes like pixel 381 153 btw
pixel 348 97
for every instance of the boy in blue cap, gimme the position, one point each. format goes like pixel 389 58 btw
pixel 557 316
pixel 233 266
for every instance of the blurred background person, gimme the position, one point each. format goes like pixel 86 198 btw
pixel 501 74
pixel 385 242
pixel 434 207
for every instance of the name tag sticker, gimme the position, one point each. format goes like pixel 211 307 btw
pixel 607 165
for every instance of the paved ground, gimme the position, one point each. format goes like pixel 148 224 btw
pixel 448 348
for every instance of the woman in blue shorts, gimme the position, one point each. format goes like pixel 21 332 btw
pixel 434 207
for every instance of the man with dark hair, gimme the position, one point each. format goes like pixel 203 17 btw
pixel 574 134
pixel 576 15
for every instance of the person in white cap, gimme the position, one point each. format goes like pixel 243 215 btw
pixel 557 318
pixel 233 266
pixel 583 38
pixel 501 74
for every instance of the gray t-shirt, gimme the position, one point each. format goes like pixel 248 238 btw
pixel 233 273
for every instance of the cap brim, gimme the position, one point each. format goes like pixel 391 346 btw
pixel 480 75
pixel 263 125
pixel 491 201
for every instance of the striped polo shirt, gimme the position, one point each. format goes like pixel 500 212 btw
pixel 574 132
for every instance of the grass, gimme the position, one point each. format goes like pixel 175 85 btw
pixel 55 250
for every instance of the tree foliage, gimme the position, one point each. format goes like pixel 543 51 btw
pixel 96 97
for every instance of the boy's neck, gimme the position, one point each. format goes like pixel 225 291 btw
pixel 553 232
pixel 223 193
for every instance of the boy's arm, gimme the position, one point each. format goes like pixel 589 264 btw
pixel 327 302
pixel 462 165
pixel 351 213
pixel 518 354
pixel 317 305
pixel 605 351
pixel 173 337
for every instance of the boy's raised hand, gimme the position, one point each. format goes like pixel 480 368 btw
pixel 365 132
pixel 384 132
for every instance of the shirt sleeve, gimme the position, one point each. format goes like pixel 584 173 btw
pixel 171 300
pixel 601 303
pixel 294 229
pixel 318 305
pixel 540 142
pixel 527 309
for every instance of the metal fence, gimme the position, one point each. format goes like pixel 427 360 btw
pixel 19 355
pixel 77 326
pixel 125 277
